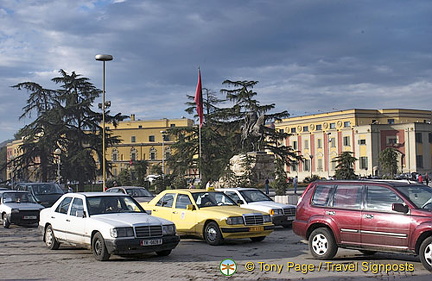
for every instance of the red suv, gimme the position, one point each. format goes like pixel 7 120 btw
pixel 370 216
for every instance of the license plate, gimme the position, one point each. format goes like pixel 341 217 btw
pixel 29 217
pixel 151 242
pixel 290 218
pixel 256 228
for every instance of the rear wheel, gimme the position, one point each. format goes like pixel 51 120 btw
pixel 50 240
pixel 322 244
pixel 212 234
pixel 426 253
pixel 99 249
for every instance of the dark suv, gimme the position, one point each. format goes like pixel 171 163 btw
pixel 370 216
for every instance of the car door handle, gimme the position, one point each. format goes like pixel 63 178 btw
pixel 331 213
pixel 68 220
pixel 368 216
pixel 175 212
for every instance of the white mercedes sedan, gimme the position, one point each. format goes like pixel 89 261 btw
pixel 106 223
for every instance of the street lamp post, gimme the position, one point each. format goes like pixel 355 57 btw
pixel 103 58
pixel 57 153
pixel 163 153
pixel 311 157
pixel 329 159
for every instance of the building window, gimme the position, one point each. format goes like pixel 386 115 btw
pixel 362 142
pixel 319 127
pixel 418 137
pixel 305 129
pixel 430 137
pixel 152 155
pixel 320 165
pixel 319 143
pixel 419 160
pixel 390 121
pixel 333 142
pixel 172 125
pixel 307 165
pixel 332 125
pixel 293 130
pixel 306 144
pixel 151 138
pixel 333 165
pixel 114 155
pixel 347 124
pixel 392 140
pixel 133 154
pixel 294 167
pixel 363 163
pixel 133 139
pixel 139 126
pixel 346 141
pixel 165 137
pixel 295 146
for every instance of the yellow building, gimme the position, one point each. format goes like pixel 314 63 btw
pixel 143 140
pixel 320 138
pixel 140 140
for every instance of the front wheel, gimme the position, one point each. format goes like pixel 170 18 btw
pixel 99 249
pixel 50 240
pixel 322 244
pixel 6 222
pixel 426 253
pixel 212 234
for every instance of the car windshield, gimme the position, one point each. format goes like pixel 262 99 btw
pixel 138 192
pixel 46 188
pixel 210 199
pixel 17 197
pixel 420 195
pixel 112 204
pixel 254 196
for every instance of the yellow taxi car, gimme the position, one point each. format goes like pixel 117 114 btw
pixel 210 215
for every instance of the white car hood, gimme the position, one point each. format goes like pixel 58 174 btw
pixel 266 205
pixel 24 206
pixel 130 219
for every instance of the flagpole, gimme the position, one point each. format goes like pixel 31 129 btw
pixel 199 106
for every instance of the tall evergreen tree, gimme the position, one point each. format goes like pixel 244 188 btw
pixel 388 161
pixel 65 120
pixel 345 166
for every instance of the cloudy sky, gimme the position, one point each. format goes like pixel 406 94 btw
pixel 308 56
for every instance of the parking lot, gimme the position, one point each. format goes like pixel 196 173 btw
pixel 281 256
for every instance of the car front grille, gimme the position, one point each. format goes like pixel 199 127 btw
pixel 253 219
pixel 148 231
pixel 289 211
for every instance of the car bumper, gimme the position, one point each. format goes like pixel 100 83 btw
pixel 133 246
pixel 23 218
pixel 247 231
pixel 283 219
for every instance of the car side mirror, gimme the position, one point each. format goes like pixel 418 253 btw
pixel 149 212
pixel 399 207
pixel 190 207
pixel 240 202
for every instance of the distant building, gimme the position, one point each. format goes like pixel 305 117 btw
pixel 320 138
pixel 140 140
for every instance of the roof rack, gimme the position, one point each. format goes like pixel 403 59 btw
pixel 392 180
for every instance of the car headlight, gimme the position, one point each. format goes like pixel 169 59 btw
pixel 235 220
pixel 169 229
pixel 276 212
pixel 122 232
pixel 267 218
pixel 15 211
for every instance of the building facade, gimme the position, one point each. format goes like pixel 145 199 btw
pixel 320 138
pixel 143 140
pixel 140 140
